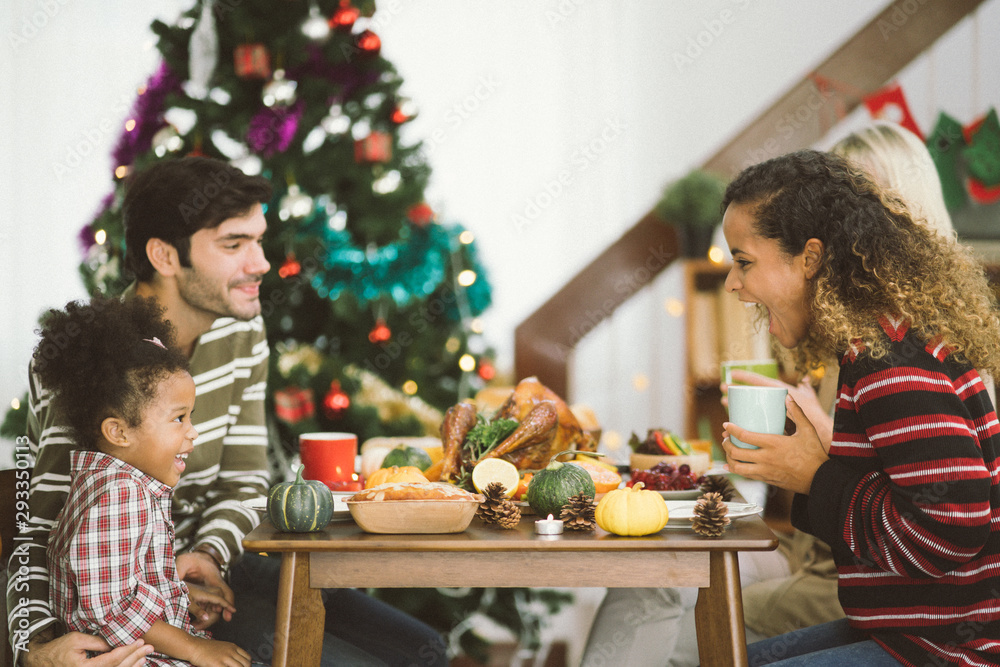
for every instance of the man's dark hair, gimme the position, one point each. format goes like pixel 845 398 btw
pixel 172 200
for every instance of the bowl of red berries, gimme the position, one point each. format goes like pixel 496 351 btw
pixel 673 482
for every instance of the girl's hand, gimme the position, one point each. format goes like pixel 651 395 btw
pixel 214 653
pixel 785 461
pixel 803 393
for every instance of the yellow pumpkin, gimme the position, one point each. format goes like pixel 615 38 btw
pixel 395 474
pixel 631 511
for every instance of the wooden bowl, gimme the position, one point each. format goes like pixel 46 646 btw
pixel 413 516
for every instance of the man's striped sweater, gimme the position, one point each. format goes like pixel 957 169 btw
pixel 910 503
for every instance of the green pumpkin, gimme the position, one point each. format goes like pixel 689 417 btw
pixel 552 488
pixel 301 506
pixel 405 455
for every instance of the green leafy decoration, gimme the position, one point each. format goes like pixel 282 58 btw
pixel 486 435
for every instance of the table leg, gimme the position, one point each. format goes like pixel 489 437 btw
pixel 719 614
pixel 300 611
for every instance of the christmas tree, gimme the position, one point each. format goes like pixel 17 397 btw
pixel 371 303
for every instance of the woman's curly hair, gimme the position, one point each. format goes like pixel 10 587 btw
pixel 877 261
pixel 97 360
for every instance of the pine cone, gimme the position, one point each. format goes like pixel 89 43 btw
pixel 578 513
pixel 710 517
pixel 718 484
pixel 497 508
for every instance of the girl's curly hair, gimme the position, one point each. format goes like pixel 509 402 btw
pixel 98 361
pixel 876 261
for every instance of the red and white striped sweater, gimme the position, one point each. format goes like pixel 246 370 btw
pixel 910 503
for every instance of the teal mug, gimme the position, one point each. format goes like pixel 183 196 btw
pixel 757 409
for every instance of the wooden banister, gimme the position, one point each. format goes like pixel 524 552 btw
pixel 544 341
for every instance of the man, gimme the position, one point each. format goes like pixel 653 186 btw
pixel 193 232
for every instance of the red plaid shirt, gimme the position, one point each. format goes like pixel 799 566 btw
pixel 111 554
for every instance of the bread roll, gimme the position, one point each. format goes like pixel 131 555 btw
pixel 415 491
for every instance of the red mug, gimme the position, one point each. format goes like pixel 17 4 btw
pixel 328 457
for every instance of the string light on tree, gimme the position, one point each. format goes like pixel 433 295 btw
pixel 100 236
pixel 466 278
pixel 410 388
pixel 467 363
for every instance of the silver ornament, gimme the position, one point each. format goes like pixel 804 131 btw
pixel 279 90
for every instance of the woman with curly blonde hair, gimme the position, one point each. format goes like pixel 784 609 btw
pixel 905 492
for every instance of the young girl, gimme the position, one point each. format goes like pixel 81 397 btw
pixel 906 491
pixel 128 398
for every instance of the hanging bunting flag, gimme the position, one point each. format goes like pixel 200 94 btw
pixel 945 145
pixel 889 104
pixel 982 158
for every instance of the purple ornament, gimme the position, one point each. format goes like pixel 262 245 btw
pixel 348 76
pixel 272 129
pixel 147 112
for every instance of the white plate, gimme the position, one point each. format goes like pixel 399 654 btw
pixel 689 494
pixel 682 511
pixel 340 510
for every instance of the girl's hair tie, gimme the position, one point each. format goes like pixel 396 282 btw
pixel 155 341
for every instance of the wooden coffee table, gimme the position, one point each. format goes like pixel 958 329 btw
pixel 344 556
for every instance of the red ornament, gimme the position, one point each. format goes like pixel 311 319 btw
pixel 291 267
pixel 420 214
pixel 381 333
pixel 486 370
pixel 369 42
pixel 336 401
pixel 400 115
pixel 293 404
pixel 376 147
pixel 345 16
pixel 252 61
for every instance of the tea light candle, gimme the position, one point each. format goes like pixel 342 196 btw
pixel 549 526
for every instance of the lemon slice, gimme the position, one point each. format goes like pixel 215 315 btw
pixel 488 471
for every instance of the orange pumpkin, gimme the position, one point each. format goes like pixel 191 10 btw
pixel 395 474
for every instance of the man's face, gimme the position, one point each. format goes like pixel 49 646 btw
pixel 227 265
